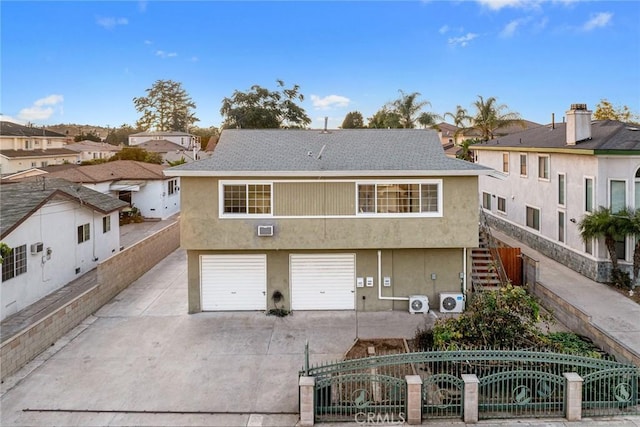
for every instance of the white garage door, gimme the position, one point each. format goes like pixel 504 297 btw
pixel 233 282
pixel 323 282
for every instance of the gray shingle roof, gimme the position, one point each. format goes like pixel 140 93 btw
pixel 15 154
pixel 14 129
pixel 20 200
pixel 402 151
pixel 605 135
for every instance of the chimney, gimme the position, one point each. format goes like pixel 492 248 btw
pixel 578 124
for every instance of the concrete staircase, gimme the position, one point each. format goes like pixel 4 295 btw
pixel 484 273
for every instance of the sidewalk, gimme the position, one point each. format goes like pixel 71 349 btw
pixel 129 235
pixel 616 316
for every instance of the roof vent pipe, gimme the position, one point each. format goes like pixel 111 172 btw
pixel 326 122
pixel 553 120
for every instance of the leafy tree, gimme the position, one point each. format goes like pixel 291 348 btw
pixel 167 107
pixel 385 119
pixel 89 136
pixel 261 108
pixel 353 120
pixel 427 120
pixel 607 111
pixel 137 154
pixel 465 150
pixel 460 118
pixel 180 161
pixel 120 136
pixel 603 223
pixel 408 108
pixel 490 116
pixel 205 134
pixel 5 251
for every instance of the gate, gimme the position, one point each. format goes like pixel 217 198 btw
pixel 442 396
pixel 512 264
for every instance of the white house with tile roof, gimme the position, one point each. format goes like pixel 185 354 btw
pixel 183 139
pixel 551 176
pixel 327 220
pixel 57 230
pixel 92 150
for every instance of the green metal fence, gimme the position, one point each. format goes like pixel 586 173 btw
pixel 512 383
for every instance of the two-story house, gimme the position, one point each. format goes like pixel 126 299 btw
pixel 92 150
pixel 551 176
pixel 317 220
pixel 142 185
pixel 27 147
pixel 183 139
pixel 57 230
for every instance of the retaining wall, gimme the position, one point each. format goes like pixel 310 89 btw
pixel 114 274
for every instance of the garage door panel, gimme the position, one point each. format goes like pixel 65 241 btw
pixel 233 282
pixel 322 281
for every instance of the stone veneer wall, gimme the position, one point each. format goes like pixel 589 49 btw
pixel 114 275
pixel 594 270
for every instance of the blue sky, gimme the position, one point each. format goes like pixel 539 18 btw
pixel 84 62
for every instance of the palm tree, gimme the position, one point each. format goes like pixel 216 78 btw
pixel 632 228
pixel 603 223
pixel 490 116
pixel 460 118
pixel 465 150
pixel 407 108
pixel 428 120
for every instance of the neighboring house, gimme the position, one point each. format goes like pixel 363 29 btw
pixel 57 230
pixel 142 185
pixel 183 139
pixel 169 151
pixel 26 147
pixel 449 134
pixel 91 150
pixel 553 175
pixel 314 220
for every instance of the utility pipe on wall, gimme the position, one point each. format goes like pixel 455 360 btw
pixel 380 282
pixel 464 271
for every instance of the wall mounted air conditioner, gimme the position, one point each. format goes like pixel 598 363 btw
pixel 265 230
pixel 36 248
pixel 451 303
pixel 418 304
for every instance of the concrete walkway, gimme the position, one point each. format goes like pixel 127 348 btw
pixel 617 316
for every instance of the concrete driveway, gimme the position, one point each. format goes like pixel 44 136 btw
pixel 141 360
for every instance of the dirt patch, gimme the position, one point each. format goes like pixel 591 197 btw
pixel 382 346
pixel 636 293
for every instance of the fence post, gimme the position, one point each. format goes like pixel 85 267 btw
pixel 414 399
pixel 470 398
pixel 307 407
pixel 573 396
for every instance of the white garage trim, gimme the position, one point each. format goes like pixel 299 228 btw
pixel 322 281
pixel 233 282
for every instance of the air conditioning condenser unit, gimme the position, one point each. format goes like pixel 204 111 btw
pixel 418 304
pixel 451 303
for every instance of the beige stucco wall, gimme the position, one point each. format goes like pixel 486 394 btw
pixel 409 269
pixel 202 229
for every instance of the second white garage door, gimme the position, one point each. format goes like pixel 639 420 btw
pixel 233 282
pixel 323 281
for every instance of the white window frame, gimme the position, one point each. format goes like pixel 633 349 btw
pixel 486 201
pixel 610 200
pixel 562 236
pixel 502 211
pixel 106 224
pixel 593 193
pixel 16 261
pixel 505 164
pixel 86 233
pixel 548 167
pixel 436 214
pixel 526 217
pixel 562 190
pixel 172 186
pixel 223 214
pixel 526 165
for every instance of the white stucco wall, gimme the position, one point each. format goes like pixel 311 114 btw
pixel 182 140
pixel 56 226
pixel 154 200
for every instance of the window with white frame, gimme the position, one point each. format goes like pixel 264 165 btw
pixel 84 233
pixel 247 199
pixel 172 186
pixel 533 218
pixel 399 198
pixel 561 226
pixel 543 166
pixel 523 165
pixel 562 189
pixel 505 162
pixel 588 246
pixel 486 201
pixel 106 224
pixel 588 194
pixel 502 205
pixel 617 195
pixel 15 263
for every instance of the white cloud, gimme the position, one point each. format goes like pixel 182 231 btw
pixel 163 54
pixel 147 42
pixel 194 59
pixel 462 41
pixel 330 101
pixel 11 119
pixel 598 20
pixel 499 4
pixel 512 27
pixel 110 22
pixel 142 6
pixel 42 108
pixel 443 29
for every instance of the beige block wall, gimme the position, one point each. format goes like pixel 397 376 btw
pixel 113 275
pixel 202 229
pixel 410 271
